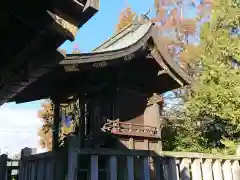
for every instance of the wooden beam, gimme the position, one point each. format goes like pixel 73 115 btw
pixel 63 27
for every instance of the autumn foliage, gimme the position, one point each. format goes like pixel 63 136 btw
pixel 178 32
pixel 45 132
pixel 125 19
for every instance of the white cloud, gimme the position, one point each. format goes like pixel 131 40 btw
pixel 19 128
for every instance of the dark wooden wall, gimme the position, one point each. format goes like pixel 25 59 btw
pixel 127 106
pixel 130 106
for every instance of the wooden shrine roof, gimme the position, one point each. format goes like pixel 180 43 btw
pixel 133 59
pixel 31 33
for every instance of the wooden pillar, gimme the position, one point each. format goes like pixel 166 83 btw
pixel 23 166
pixel 73 158
pixel 82 120
pixel 152 115
pixel 3 166
pixel 56 122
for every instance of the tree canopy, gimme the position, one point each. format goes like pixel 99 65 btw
pixel 210 112
pixel 214 100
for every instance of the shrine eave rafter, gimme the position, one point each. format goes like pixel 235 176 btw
pixel 32 32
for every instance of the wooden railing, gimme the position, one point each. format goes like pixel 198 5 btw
pixel 131 129
pixel 44 166
pixel 148 165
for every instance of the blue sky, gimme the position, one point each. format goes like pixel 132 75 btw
pixel 21 121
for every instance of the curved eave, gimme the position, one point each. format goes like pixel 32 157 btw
pixel 171 66
pixel 112 52
pixel 108 55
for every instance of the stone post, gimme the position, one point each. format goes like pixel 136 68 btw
pixel 238 150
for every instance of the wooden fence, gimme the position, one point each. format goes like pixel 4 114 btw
pixel 109 164
pixel 44 166
pixel 8 167
pixel 146 165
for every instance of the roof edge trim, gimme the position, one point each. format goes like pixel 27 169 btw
pixel 173 65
